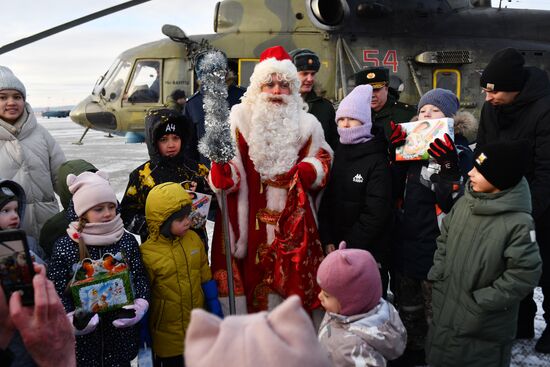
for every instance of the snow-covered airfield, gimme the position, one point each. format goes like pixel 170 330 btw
pixel 119 159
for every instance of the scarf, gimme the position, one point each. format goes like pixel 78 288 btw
pixel 355 135
pixel 98 234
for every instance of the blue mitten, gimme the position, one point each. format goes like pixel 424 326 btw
pixel 212 303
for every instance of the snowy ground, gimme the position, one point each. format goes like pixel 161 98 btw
pixel 119 159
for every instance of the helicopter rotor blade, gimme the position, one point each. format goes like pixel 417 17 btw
pixel 73 23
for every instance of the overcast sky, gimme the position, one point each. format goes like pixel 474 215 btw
pixel 62 69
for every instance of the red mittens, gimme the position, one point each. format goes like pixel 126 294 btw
pixel 220 175
pixel 306 172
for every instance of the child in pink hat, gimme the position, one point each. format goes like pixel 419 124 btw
pixel 359 325
pixel 108 338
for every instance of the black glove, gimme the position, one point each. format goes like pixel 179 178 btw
pixel 444 152
pixel 81 318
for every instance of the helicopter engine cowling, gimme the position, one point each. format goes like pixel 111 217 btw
pixel 328 14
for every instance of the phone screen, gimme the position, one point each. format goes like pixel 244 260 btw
pixel 16 269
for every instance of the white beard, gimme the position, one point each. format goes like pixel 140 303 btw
pixel 274 139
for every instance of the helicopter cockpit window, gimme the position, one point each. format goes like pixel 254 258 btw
pixel 145 83
pixel 114 81
pixel 447 79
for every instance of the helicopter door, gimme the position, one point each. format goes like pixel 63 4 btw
pixel 447 79
pixel 144 86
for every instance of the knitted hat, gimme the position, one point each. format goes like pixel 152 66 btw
pixel 502 163
pixel 284 337
pixel 443 99
pixel 90 189
pixel 505 72
pixel 356 105
pixel 6 195
pixel 305 59
pixel 8 80
pixel 352 276
pixel 167 121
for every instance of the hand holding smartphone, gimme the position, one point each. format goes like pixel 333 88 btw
pixel 16 268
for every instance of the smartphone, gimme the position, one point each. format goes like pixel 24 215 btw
pixel 16 269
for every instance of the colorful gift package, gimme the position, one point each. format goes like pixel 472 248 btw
pixel 102 285
pixel 419 136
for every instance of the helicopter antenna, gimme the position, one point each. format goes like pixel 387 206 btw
pixel 73 23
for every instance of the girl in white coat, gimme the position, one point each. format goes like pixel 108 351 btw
pixel 29 155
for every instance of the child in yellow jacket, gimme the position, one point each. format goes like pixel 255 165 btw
pixel 178 270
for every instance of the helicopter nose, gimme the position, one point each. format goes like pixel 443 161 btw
pixel 89 113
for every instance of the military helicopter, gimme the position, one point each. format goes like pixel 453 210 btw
pixel 424 43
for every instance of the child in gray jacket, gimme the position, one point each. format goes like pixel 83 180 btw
pixel 360 328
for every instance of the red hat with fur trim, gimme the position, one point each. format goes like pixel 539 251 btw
pixel 277 52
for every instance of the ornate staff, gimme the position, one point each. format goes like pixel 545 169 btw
pixel 217 144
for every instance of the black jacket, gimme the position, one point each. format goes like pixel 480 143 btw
pixel 106 345
pixel 356 206
pixel 423 201
pixel 324 111
pixel 528 117
pixel 156 171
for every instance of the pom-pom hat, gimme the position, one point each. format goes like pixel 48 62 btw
pixel 353 277
pixel 441 98
pixel 8 80
pixel 90 189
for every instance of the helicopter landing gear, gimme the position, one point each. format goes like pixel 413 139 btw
pixel 79 142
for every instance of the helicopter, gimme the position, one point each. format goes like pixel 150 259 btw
pixel 424 43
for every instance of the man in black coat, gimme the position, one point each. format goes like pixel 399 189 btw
pixel 307 63
pixel 517 106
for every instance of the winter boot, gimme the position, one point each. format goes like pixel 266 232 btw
pixel 543 344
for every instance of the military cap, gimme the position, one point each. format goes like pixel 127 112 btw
pixel 378 77
pixel 305 59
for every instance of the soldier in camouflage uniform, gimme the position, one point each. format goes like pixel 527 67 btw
pixel 307 63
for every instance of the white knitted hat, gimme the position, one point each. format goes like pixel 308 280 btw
pixel 8 80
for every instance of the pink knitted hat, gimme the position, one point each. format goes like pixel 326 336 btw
pixel 352 276
pixel 90 189
pixel 285 337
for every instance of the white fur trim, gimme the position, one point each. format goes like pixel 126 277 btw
pixel 320 173
pixel 241 244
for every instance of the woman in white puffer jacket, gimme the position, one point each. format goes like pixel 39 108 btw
pixel 29 155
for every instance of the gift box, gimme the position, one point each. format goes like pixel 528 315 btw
pixel 200 206
pixel 419 136
pixel 102 285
